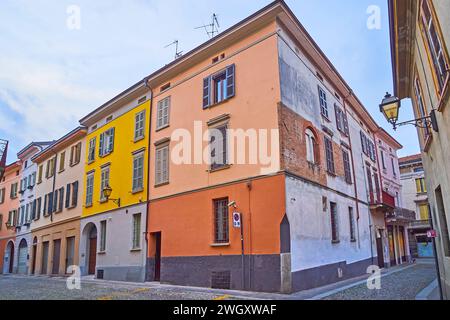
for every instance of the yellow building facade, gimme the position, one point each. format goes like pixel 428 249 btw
pixel 113 242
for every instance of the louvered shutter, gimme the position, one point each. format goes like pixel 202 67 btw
pixel 206 92
pixel 111 140
pixel 75 194
pixel 345 120
pixel 158 166
pixel 61 199
pixel 102 142
pixel 230 81
pixel 68 195
pixel 337 113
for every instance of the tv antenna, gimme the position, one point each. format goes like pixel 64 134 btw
pixel 177 53
pixel 212 28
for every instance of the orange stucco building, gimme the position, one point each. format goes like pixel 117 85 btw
pixel 9 202
pixel 262 81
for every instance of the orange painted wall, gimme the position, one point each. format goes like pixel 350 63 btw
pixel 186 221
pixel 253 106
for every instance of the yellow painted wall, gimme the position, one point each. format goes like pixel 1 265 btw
pixel 121 162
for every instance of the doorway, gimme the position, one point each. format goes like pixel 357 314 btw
pixel 33 256
pixel 70 252
pixel 9 258
pixel 393 260
pixel 56 256
pixel 380 251
pixel 92 250
pixel 157 241
pixel 22 257
pixel 44 257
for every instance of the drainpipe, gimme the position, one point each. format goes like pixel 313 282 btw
pixel 54 185
pixel 380 186
pixel 148 180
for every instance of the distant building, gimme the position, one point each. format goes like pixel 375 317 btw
pixel 415 198
pixel 420 38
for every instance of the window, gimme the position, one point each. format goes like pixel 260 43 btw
pixel 382 159
pixel 136 241
pixel 12 216
pixel 323 102
pixel 218 147
pixel 75 154
pixel 435 44
pixel 221 220
pixel 103 236
pixel 424 212
pixel 329 155
pixel 38 208
pixel 62 160
pixel 311 147
pixel 347 172
pixel 394 172
pixel 89 189
pixel 351 217
pixel 162 117
pixel 420 169
pixel 138 172
pixel 162 165
pixel 50 170
pixel 341 120
pixel 420 106
pixel 1 221
pixel 91 150
pixel 420 185
pixel 13 193
pixel 74 198
pixel 376 181
pixel 2 195
pixel 40 169
pixel 334 222
pixel 60 206
pixel 27 213
pixel 106 142
pixel 139 125
pixel 104 182
pixel 219 87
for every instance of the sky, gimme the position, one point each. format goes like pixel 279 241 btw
pixel 52 74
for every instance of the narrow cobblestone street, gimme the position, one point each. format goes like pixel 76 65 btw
pixel 400 283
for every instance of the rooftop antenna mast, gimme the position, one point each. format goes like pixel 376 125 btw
pixel 177 53
pixel 212 28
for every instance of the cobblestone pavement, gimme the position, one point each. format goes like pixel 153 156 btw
pixel 405 283
pixel 402 285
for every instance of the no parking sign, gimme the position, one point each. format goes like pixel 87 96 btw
pixel 236 219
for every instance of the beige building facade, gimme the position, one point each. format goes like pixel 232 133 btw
pixel 420 38
pixel 57 212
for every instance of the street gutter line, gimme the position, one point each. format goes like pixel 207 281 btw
pixel 423 295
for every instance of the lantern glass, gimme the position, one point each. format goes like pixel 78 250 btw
pixel 107 192
pixel 390 107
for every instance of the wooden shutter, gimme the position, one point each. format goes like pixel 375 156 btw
pixel 111 140
pixel 206 92
pixel 44 208
pixel 61 199
pixel 345 121
pixel 230 81
pixel 158 166
pixel 68 195
pixel 102 142
pixel 338 113
pixel 329 155
pixel 38 209
pixel 165 111
pixel 165 164
pixel 75 194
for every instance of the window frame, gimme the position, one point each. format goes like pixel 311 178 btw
pixel 136 157
pixel 91 149
pixel 225 145
pixel 105 175
pixel 323 103
pixel 103 234
pixel 160 150
pixel 136 243
pixel 224 220
pixel 90 189
pixel 334 219
pixel 329 156
pixel 163 106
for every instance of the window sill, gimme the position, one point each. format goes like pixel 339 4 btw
pixel 88 205
pixel 101 252
pixel 90 162
pixel 215 104
pixel 138 139
pixel 74 164
pixel 331 173
pixel 428 141
pixel 60 171
pixel 137 191
pixel 325 118
pixel 224 167
pixel 162 128
pixel 161 184
pixel 335 241
pixel 215 245
pixel 136 250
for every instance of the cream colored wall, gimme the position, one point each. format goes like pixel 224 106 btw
pixel 68 175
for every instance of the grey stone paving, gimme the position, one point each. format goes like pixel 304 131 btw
pixel 403 285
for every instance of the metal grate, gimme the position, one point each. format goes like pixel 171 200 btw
pixel 100 273
pixel 221 279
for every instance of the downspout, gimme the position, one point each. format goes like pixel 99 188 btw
pixel 54 185
pixel 148 181
pixel 380 184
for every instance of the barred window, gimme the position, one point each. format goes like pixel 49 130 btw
pixel 221 220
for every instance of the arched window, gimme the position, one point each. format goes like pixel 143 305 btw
pixel 311 146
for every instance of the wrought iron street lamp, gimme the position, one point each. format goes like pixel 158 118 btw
pixel 107 190
pixel 390 106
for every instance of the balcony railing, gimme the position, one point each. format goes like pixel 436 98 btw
pixel 402 214
pixel 420 224
pixel 386 200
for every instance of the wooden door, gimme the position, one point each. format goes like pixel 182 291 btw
pixel 56 256
pixel 92 255
pixel 22 259
pixel 380 252
pixel 33 256
pixel 70 252
pixel 158 256
pixel 44 257
pixel 11 257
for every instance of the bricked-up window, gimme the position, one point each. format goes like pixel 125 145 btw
pixel 334 222
pixel 162 165
pixel 351 218
pixel 435 42
pixel 323 102
pixel 329 155
pixel 221 220
pixel 218 147
pixel 420 106
pixel 219 86
pixel 162 113
pixel 347 172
